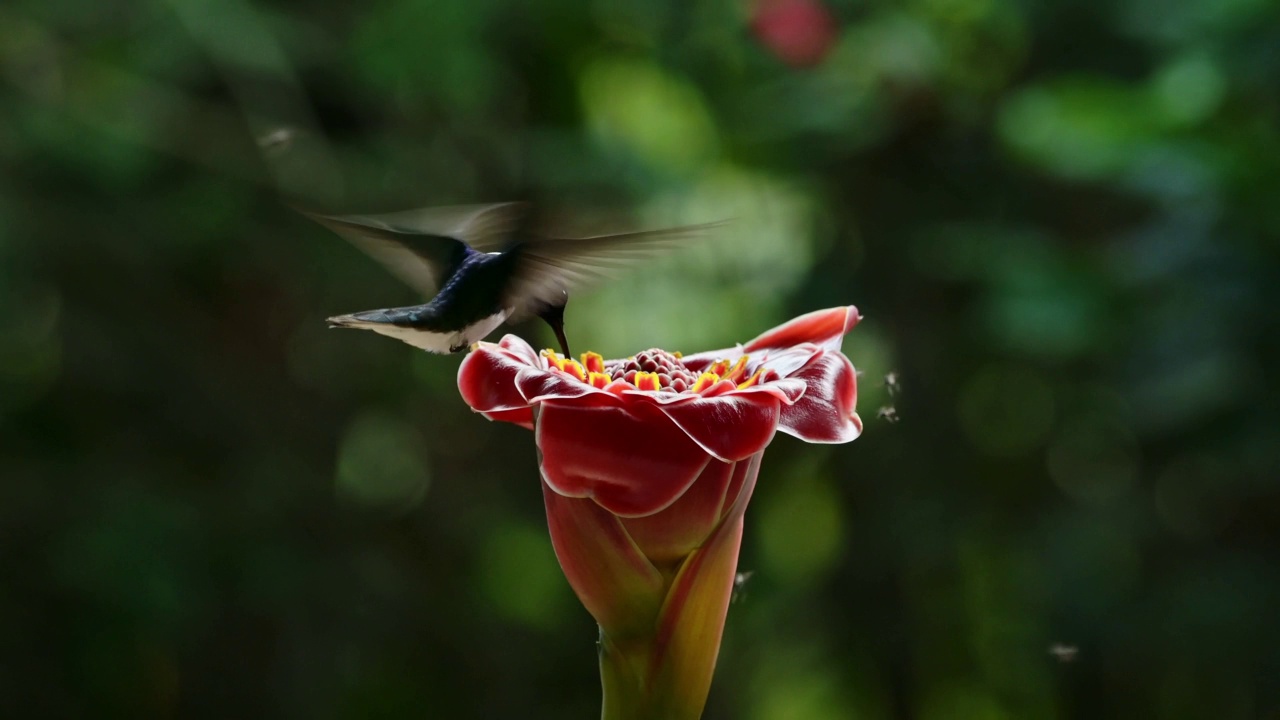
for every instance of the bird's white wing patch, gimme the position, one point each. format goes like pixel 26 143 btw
pixel 433 342
pixel 437 342
pixel 480 330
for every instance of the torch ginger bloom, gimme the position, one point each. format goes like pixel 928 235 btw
pixel 647 465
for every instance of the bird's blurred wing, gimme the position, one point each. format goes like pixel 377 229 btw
pixel 548 268
pixel 423 247
pixel 484 227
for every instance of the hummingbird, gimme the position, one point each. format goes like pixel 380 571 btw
pixel 482 265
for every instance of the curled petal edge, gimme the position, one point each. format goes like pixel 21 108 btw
pixel 753 418
pixel 827 412
pixel 486 379
pixel 825 328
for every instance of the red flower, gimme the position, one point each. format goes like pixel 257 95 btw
pixel 798 32
pixel 648 464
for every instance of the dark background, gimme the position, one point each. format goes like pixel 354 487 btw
pixel 1059 220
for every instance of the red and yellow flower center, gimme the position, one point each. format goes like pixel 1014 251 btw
pixel 654 370
pixel 667 370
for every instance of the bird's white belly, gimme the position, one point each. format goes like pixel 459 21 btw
pixel 442 342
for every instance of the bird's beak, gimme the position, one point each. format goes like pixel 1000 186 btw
pixel 564 342
pixel 554 316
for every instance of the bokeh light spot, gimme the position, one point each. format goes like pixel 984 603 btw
pixel 380 463
pixel 1079 130
pixel 659 118
pixel 802 681
pixel 1189 89
pixel 740 274
pixel 960 700
pixel 520 577
pixel 1093 457
pixel 31 353
pixel 1190 496
pixel 800 529
pixel 1006 410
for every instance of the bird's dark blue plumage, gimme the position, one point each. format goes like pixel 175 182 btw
pixel 482 268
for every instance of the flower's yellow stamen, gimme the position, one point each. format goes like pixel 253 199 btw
pixel 593 362
pixel 753 380
pixel 738 370
pixel 705 380
pixel 554 358
pixel 572 367
pixel 647 381
pixel 719 367
pixel 678 355
pixel 598 380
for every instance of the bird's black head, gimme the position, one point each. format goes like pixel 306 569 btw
pixel 554 316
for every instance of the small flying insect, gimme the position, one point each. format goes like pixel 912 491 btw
pixel 1064 653
pixel 740 586
pixel 891 383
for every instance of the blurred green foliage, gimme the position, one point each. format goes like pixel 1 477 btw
pixel 1058 218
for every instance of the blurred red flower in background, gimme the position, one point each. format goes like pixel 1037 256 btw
pixel 798 32
pixel 648 464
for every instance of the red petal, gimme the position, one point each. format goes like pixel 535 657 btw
pixel 665 397
pixel 730 427
pixel 520 416
pixel 724 387
pixel 821 327
pixel 788 360
pixel 515 345
pixel 487 377
pixel 631 458
pixel 536 385
pixel 619 387
pixel 613 579
pixel 668 536
pixel 704 381
pixel 787 390
pixel 742 473
pixel 699 362
pixel 593 362
pixel 825 414
pixel 647 381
